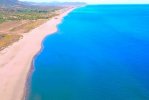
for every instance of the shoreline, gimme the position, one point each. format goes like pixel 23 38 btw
pixel 14 75
pixel 30 73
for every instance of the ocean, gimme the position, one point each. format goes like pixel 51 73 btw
pixel 100 52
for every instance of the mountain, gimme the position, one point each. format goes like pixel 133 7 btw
pixel 8 2
pixel 57 3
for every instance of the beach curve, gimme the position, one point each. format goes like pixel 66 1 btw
pixel 16 60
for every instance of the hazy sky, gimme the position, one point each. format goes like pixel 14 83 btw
pixel 98 1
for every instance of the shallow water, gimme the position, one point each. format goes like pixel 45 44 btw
pixel 100 52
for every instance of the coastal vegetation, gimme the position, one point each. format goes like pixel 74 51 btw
pixel 7 39
pixel 18 19
pixel 7 14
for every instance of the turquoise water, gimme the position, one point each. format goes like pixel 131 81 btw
pixel 100 52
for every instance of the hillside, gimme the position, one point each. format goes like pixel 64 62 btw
pixel 8 2
pixel 60 3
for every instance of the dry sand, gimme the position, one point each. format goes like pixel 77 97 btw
pixel 15 61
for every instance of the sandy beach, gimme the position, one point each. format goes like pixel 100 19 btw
pixel 15 60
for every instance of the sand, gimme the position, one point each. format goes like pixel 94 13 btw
pixel 16 60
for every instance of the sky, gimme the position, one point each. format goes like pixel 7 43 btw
pixel 98 1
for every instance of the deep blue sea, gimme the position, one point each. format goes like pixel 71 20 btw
pixel 100 52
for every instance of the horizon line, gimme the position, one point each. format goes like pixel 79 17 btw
pixel 87 2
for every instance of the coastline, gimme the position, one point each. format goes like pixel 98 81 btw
pixel 30 73
pixel 16 60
